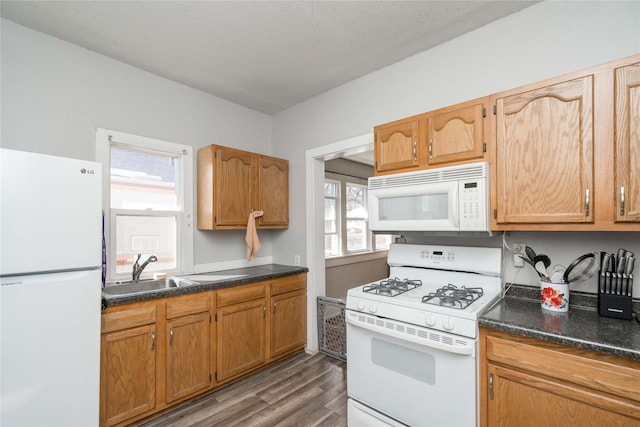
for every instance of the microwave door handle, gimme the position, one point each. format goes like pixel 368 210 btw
pixel 454 206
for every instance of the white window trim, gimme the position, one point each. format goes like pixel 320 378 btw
pixel 185 220
pixel 338 205
pixel 342 235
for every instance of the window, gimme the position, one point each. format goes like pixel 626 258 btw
pixel 346 227
pixel 332 246
pixel 147 200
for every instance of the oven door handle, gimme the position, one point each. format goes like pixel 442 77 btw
pixel 425 342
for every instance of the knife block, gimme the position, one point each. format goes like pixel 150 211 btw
pixel 613 305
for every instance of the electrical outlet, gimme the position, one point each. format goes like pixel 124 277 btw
pixel 518 251
pixel 296 259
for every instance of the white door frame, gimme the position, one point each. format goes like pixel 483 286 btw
pixel 314 167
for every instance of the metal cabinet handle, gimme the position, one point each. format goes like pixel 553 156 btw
pixel 431 149
pixel 415 151
pixel 264 310
pixel 274 306
pixel 621 201
pixel 153 340
pixel 170 336
pixel 491 386
pixel 586 202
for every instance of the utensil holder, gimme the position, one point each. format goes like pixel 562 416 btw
pixel 554 296
pixel 611 300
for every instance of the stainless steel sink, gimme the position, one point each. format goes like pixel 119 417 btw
pixel 128 288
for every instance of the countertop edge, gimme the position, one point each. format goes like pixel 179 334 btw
pixel 255 274
pixel 581 327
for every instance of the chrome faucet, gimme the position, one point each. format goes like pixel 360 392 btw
pixel 137 268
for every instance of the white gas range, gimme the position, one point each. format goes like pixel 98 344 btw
pixel 412 339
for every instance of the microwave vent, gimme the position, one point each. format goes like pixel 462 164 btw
pixel 454 173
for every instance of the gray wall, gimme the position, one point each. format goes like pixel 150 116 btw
pixel 542 41
pixel 343 277
pixel 55 94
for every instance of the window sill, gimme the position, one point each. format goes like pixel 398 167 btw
pixel 354 258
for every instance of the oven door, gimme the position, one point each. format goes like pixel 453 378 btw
pixel 410 380
pixel 424 207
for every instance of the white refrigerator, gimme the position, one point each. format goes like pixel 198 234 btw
pixel 50 293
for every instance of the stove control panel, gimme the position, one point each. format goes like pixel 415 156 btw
pixel 429 319
pixel 438 256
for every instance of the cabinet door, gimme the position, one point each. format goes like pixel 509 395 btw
pixel 188 357
pixel 519 399
pixel 234 187
pixel 396 146
pixel 288 322
pixel 627 111
pixel 128 372
pixel 544 157
pixel 456 134
pixel 241 338
pixel 273 192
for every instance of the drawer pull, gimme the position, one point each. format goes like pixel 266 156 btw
pixel 170 336
pixel 153 340
pixel 621 201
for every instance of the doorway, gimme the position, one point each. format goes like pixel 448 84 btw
pixel 314 166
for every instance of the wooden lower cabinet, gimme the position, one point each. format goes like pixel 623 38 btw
pixel 525 381
pixel 288 316
pixel 128 364
pixel 158 353
pixel 241 338
pixel 188 349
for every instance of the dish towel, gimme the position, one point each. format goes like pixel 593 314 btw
pixel 253 243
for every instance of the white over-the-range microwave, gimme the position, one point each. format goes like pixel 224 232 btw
pixel 451 198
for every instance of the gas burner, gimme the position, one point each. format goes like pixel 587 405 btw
pixel 454 297
pixel 392 287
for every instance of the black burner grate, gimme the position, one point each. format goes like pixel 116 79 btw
pixel 392 287
pixel 453 296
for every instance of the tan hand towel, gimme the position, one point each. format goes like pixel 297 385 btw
pixel 253 243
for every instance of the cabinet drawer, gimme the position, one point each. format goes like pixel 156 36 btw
pixel 239 294
pixel 288 284
pixel 607 373
pixel 128 318
pixel 187 304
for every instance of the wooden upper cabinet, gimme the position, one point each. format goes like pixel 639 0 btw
pixel 234 186
pixel 456 133
pixel 627 142
pixel 543 170
pixel 273 193
pixel 396 146
pixel 232 183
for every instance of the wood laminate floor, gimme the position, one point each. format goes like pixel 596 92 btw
pixel 301 391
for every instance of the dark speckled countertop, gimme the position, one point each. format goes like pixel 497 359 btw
pixel 248 275
pixel 519 312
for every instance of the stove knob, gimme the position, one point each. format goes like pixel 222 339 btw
pixel 373 308
pixel 429 319
pixel 360 305
pixel 447 323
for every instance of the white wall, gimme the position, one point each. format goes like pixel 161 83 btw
pixel 542 41
pixel 55 94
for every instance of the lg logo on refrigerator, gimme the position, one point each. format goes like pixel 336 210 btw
pixel 87 171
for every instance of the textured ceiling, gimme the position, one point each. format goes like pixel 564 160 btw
pixel 265 55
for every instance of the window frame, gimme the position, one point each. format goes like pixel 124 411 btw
pixel 338 205
pixel 342 236
pixel 105 138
